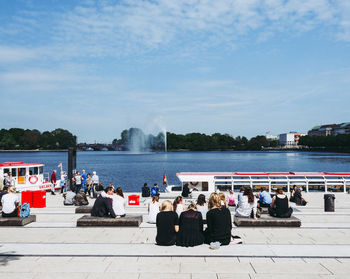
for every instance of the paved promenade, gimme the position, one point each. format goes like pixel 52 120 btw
pixel 54 247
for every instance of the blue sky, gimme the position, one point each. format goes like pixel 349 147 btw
pixel 241 67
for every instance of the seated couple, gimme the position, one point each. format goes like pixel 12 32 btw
pixel 70 198
pixel 297 197
pixel 188 231
pixel 109 204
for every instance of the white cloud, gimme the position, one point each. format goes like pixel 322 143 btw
pixel 124 28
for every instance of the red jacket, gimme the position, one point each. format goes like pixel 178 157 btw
pixel 53 178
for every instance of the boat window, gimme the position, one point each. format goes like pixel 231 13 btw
pixel 315 177
pixel 333 177
pixel 41 170
pixel 296 177
pixel 277 177
pixel 279 185
pixel 223 177
pixel 241 177
pixel 300 185
pixel 223 186
pixel 316 186
pixel 21 171
pixel 33 171
pixel 6 171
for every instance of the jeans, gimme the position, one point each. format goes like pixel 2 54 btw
pixel 77 188
pixel 83 186
pixel 53 187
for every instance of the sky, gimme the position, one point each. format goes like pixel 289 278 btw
pixel 242 67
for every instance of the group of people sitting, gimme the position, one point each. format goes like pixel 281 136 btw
pixel 250 205
pixel 184 226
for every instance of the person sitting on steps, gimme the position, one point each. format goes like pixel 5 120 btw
pixel 280 206
pixel 10 203
pixel 103 204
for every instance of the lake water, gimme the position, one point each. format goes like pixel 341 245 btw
pixel 130 171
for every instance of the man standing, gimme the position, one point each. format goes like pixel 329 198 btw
pixel 77 179
pixel 53 182
pixel 83 180
pixel 95 182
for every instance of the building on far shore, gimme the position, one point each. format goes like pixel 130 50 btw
pixel 290 140
pixel 330 130
pixel 270 137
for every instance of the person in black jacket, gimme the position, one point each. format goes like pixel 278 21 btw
pixel 167 225
pixel 191 228
pixel 219 223
pixel 185 191
pixel 103 204
pixel 146 191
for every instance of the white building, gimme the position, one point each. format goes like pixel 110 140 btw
pixel 290 139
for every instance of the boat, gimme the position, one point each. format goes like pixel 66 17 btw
pixel 27 176
pixel 208 182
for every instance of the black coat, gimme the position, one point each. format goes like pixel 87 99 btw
pixel 103 208
pixel 191 229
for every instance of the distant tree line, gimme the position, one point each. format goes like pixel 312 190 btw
pixel 217 141
pixel 331 143
pixel 21 139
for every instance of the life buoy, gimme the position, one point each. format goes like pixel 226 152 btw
pixel 194 183
pixel 33 179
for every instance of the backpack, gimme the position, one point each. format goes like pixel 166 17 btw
pixel 25 210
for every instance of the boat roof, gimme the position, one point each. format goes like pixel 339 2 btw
pixel 262 173
pixel 19 164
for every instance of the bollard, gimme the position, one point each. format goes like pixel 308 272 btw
pixel 329 202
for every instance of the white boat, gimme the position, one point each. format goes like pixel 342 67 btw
pixel 208 182
pixel 27 176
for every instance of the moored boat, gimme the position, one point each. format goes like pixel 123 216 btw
pixel 26 176
pixel 208 182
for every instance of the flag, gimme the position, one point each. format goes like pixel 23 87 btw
pixel 165 180
pixel 59 165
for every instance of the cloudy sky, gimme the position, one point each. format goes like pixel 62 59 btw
pixel 241 67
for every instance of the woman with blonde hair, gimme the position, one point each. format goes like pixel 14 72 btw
pixel 219 223
pixel 153 209
pixel 167 225
pixel 191 228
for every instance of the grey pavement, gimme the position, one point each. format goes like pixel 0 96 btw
pixel 53 247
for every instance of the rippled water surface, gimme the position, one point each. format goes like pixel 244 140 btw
pixel 131 170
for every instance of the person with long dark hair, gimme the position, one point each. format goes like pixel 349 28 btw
pixel 219 223
pixel 178 206
pixel 280 206
pixel 247 205
pixel 202 206
pixel 191 228
pixel 119 203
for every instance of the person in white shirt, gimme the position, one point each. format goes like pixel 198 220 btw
pixel 202 207
pixel 95 182
pixel 178 206
pixel 119 203
pixel 10 203
pixel 247 205
pixel 153 209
